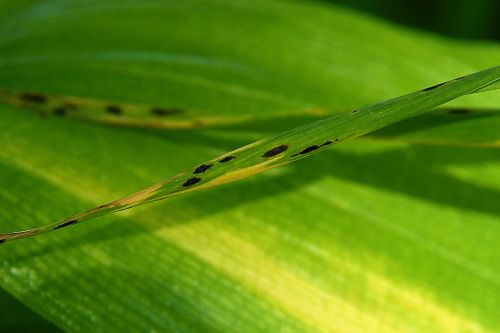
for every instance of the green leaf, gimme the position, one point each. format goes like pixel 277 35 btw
pixel 370 236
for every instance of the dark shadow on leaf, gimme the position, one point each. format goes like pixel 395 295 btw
pixel 435 119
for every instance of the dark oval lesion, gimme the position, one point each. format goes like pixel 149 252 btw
pixel 202 168
pixel 114 109
pixel 227 159
pixel 314 147
pixel 275 151
pixel 59 111
pixel 161 112
pixel 191 181
pixel 65 224
pixel 307 150
pixel 64 108
pixel 34 98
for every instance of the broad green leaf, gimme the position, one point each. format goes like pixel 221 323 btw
pixel 370 236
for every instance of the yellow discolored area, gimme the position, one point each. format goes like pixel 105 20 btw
pixel 237 174
pixel 311 303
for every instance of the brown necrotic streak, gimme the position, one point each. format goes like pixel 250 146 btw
pixel 275 151
pixel 65 224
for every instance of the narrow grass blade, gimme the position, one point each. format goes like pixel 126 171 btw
pixel 110 112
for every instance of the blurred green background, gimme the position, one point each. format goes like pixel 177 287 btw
pixel 455 18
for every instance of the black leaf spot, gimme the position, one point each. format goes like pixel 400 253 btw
pixel 114 109
pixel 307 150
pixel 202 168
pixel 34 98
pixel 59 111
pixel 161 112
pixel 65 224
pixel 227 159
pixel 275 151
pixel 191 181
pixel 329 142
